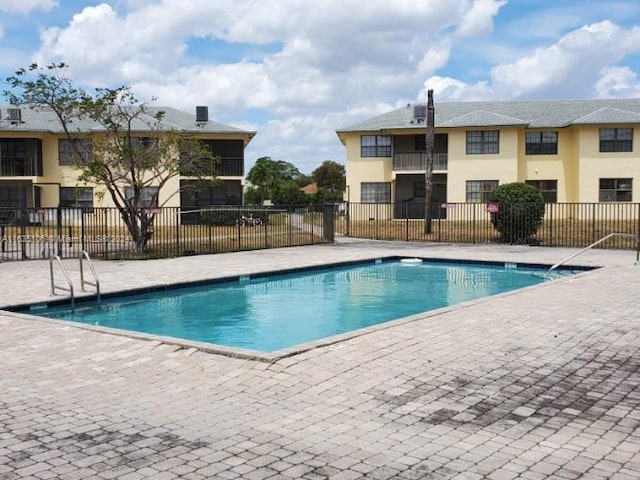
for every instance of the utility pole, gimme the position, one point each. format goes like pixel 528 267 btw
pixel 428 171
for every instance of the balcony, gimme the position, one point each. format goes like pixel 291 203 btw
pixel 223 167
pixel 19 167
pixel 230 167
pixel 416 161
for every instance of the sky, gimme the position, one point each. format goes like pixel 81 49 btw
pixel 297 70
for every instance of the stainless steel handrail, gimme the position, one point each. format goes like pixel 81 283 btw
pixel 84 254
pixel 69 288
pixel 606 237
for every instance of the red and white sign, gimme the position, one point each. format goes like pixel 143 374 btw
pixel 492 208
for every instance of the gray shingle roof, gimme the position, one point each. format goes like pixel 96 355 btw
pixel 42 120
pixel 481 118
pixel 530 113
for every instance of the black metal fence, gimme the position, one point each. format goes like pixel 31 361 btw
pixel 563 224
pixel 39 233
pixel 42 232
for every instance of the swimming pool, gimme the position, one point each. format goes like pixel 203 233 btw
pixel 275 312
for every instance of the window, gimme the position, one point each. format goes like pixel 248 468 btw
pixel 541 143
pixel 148 196
pixel 20 157
pixel 76 197
pixel 483 142
pixel 478 190
pixel 548 188
pixel 616 139
pixel 375 192
pixel 143 143
pixel 69 149
pixel 375 146
pixel 616 189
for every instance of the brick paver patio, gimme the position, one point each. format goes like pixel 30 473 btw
pixel 541 383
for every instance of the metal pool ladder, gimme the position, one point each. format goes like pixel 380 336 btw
pixel 69 287
pixel 96 282
pixel 603 239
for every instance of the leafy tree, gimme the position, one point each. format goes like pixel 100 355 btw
pixel 268 174
pixel 520 211
pixel 289 193
pixel 254 196
pixel 325 196
pixel 330 176
pixel 120 159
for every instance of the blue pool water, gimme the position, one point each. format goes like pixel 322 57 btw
pixel 270 313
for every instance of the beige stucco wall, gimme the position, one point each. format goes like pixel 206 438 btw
pixel 577 167
pixel 561 167
pixel 55 175
pixel 502 166
pixel 595 165
pixel 368 169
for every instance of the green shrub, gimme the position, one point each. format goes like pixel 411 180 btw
pixel 520 211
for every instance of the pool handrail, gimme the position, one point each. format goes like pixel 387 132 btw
pixel 96 283
pixel 597 242
pixel 69 287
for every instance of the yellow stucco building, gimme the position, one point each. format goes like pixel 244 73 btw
pixel 571 150
pixel 36 164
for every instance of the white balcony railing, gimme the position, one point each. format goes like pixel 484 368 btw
pixel 415 161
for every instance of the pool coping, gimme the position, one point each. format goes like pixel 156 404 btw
pixel 29 311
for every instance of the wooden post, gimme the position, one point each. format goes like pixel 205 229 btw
pixel 428 171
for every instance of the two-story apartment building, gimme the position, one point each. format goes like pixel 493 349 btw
pixel 571 150
pixel 36 161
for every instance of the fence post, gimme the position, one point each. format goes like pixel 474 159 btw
pixel 266 235
pixel 593 223
pixel 23 234
pixel 328 223
pixel 474 207
pixel 82 232
pixel 177 231
pixel 105 237
pixel 347 214
pixel 59 231
pixel 638 236
pixel 551 224
pixel 405 207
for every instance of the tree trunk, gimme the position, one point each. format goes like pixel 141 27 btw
pixel 428 172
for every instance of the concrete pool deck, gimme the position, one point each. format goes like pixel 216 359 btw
pixel 540 383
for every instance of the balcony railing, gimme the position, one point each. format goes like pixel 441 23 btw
pixel 415 161
pixel 19 167
pixel 231 167
pixel 225 167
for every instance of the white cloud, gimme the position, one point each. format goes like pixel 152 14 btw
pixel 479 19
pixel 583 63
pixel 451 89
pixel 436 57
pixel 24 6
pixel 619 82
pixel 329 63
pixel 571 66
pixel 328 57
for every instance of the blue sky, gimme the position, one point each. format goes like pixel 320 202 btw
pixel 297 70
